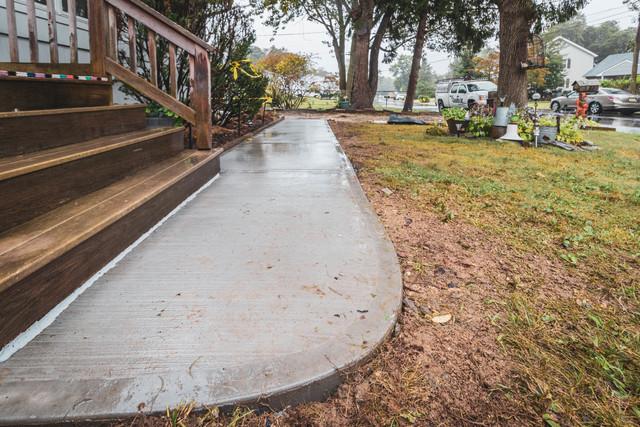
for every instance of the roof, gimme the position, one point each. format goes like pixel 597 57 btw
pixel 576 45
pixel 618 64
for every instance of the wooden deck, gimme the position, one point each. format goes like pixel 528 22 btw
pixel 271 279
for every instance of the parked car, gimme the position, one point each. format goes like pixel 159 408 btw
pixel 606 99
pixel 463 93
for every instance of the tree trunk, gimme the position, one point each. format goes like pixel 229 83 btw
pixel 362 23
pixel 351 68
pixel 633 87
pixel 515 17
pixel 416 62
pixel 374 55
pixel 338 49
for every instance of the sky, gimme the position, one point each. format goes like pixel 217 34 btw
pixel 307 37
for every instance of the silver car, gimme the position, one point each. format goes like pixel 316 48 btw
pixel 606 99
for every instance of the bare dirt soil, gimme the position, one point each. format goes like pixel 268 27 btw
pixel 447 363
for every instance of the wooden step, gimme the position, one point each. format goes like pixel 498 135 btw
pixel 35 183
pixel 46 259
pixel 29 131
pixel 40 94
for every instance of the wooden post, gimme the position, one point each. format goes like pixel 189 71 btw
pixel 201 98
pixel 112 33
pixel 173 74
pixel 11 29
pixel 53 32
pixel 97 32
pixel 131 30
pixel 153 56
pixel 73 37
pixel 33 31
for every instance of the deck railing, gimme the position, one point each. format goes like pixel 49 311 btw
pixel 103 19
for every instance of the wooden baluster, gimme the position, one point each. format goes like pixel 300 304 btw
pixel 13 35
pixel 201 98
pixel 112 34
pixel 53 32
pixel 33 31
pixel 192 76
pixel 173 74
pixel 153 56
pixel 131 29
pixel 73 36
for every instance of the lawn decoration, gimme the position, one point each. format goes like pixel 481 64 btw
pixel 584 87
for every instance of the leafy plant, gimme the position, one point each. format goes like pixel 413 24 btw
pixel 455 113
pixel 154 109
pixel 436 130
pixel 480 126
pixel 570 132
pixel 549 121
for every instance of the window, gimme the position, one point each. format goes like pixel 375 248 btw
pixel 462 89
pixel 567 82
pixel 81 8
pixel 488 86
pixel 568 63
pixel 454 89
pixel 62 6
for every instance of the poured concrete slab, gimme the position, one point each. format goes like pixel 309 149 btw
pixel 262 288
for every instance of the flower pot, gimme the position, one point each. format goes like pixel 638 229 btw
pixel 453 126
pixel 498 131
pixel 160 122
pixel 548 133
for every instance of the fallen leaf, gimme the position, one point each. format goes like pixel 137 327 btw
pixel 443 318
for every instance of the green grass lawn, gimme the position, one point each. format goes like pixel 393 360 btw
pixel 310 103
pixel 578 354
pixel 542 105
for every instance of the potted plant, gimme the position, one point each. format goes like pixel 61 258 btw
pixel 456 119
pixel 548 128
pixel 158 116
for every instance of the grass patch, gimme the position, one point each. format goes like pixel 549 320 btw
pixel 577 350
pixel 310 103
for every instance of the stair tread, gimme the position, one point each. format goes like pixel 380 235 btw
pixel 29 246
pixel 72 110
pixel 30 162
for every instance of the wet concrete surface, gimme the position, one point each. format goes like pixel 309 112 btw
pixel 271 280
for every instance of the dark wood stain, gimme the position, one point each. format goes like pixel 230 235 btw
pixel 31 298
pixel 28 196
pixel 27 134
pixel 40 94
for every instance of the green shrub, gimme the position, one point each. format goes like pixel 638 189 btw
pixel 455 113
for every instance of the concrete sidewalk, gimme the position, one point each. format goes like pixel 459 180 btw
pixel 272 279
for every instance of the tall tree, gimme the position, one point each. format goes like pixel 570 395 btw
pixel 416 61
pixel 633 85
pixel 371 20
pixel 518 19
pixel 603 39
pixel 440 25
pixel 333 15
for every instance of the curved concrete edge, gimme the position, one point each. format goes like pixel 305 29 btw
pixel 312 374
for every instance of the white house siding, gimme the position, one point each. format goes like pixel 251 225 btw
pixel 581 60
pixel 62 19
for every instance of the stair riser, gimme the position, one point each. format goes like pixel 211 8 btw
pixel 27 196
pixel 28 134
pixel 42 94
pixel 30 299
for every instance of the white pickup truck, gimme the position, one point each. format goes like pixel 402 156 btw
pixel 463 93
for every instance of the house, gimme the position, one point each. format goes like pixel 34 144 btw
pixel 616 66
pixel 577 59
